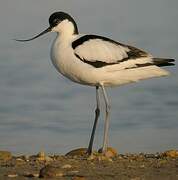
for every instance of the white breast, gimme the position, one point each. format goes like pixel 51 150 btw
pixel 65 61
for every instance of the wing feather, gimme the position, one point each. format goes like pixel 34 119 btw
pixel 101 51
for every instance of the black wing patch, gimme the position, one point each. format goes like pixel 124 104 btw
pixel 96 64
pixel 163 62
pixel 85 38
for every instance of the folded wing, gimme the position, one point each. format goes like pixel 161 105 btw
pixel 100 51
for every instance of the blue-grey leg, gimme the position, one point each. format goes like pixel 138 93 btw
pixel 97 113
pixel 106 125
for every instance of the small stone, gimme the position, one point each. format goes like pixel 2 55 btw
pixel 41 156
pixel 25 157
pixel 171 153
pixel 19 159
pixel 74 172
pixel 5 155
pixel 102 158
pixel 47 158
pixel 120 157
pixel 162 162
pixel 77 152
pixel 12 175
pixel 31 175
pixel 50 171
pixel 66 166
pixel 91 157
pixel 110 152
pixel 136 178
pixel 142 166
pixel 35 175
pixel 79 178
pixel 150 156
pixel 110 160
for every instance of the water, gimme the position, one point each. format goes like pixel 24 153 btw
pixel 41 110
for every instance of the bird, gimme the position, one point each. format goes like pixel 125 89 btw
pixel 100 62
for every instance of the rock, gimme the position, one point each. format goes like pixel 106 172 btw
pixel 66 166
pixel 24 158
pixel 48 159
pixel 171 153
pixel 50 171
pixel 77 152
pixel 31 175
pixel 162 162
pixel 91 157
pixel 110 153
pixel 79 178
pixel 19 159
pixel 136 178
pixel 5 155
pixel 142 166
pixel 12 175
pixel 154 156
pixel 104 158
pixel 42 157
pixel 74 172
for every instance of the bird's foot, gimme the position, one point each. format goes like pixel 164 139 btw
pixel 109 152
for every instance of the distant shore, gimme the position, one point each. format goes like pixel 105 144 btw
pixel 76 165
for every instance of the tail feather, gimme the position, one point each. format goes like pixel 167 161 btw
pixel 163 62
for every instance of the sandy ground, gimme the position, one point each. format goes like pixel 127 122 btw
pixel 78 166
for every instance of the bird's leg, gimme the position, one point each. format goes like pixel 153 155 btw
pixel 97 113
pixel 106 125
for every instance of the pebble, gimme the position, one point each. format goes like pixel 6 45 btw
pixel 171 153
pixel 12 175
pixel 5 155
pixel 142 166
pixel 19 159
pixel 154 156
pixel 50 171
pixel 110 153
pixel 79 178
pixel 162 161
pixel 42 157
pixel 136 178
pixel 74 172
pixel 77 152
pixel 66 166
pixel 91 157
pixel 31 175
pixel 104 158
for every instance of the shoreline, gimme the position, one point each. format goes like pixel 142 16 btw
pixel 76 165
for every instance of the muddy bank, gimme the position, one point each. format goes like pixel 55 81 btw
pixel 78 166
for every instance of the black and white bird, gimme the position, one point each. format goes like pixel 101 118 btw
pixel 98 61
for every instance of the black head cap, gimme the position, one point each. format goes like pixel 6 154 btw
pixel 57 17
pixel 54 20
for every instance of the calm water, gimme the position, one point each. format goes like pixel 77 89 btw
pixel 41 110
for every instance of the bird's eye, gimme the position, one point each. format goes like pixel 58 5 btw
pixel 55 21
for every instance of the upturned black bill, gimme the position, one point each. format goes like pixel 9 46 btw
pixel 42 33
